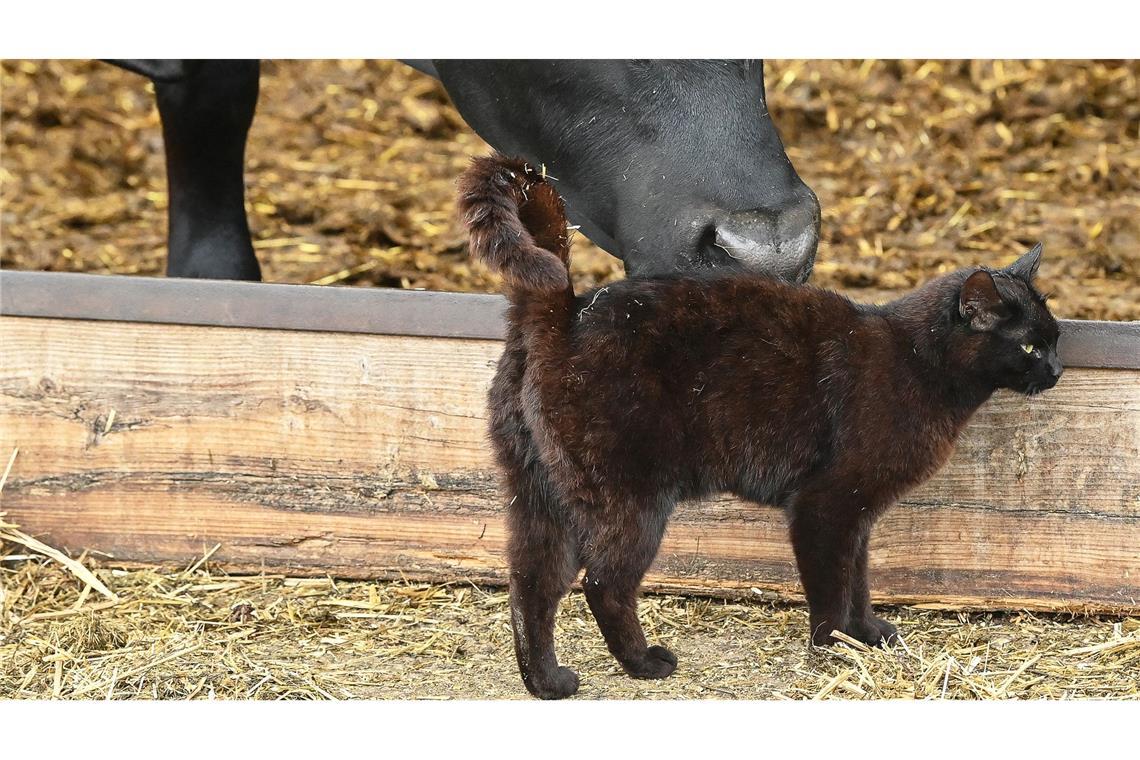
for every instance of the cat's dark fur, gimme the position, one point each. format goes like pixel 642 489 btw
pixel 609 408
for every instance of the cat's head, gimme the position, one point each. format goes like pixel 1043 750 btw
pixel 1006 327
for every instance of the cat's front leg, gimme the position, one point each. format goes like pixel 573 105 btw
pixel 863 625
pixel 826 546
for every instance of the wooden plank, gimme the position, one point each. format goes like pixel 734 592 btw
pixel 366 456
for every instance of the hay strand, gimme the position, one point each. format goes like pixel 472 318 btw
pixel 12 533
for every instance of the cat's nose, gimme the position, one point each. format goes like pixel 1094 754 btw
pixel 1055 368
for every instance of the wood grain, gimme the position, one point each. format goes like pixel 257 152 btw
pixel 366 456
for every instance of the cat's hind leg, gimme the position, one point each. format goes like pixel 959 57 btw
pixel 544 562
pixel 617 555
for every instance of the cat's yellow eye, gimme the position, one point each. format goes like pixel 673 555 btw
pixel 1027 347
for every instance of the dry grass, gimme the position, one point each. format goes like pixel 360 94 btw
pixel 198 635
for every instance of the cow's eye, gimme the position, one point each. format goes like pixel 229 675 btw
pixel 1027 347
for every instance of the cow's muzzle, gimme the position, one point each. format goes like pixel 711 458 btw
pixel 780 242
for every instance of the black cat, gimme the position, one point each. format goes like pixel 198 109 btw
pixel 609 408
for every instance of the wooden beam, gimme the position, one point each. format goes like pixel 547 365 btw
pixel 365 455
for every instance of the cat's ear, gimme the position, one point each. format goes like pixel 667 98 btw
pixel 979 302
pixel 1026 267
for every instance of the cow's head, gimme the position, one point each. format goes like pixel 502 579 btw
pixel 668 165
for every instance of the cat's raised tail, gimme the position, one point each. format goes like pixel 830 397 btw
pixel 517 225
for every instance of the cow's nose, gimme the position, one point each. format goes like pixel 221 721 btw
pixel 780 242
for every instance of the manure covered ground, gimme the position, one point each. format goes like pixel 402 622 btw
pixel 920 167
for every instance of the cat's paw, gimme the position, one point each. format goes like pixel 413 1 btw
pixel 657 662
pixel 888 633
pixel 873 631
pixel 821 633
pixel 558 683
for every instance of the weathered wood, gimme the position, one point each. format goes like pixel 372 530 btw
pixel 366 456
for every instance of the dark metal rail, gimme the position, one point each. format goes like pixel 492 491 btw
pixel 382 311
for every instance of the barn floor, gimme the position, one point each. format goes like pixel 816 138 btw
pixel 920 167
pixel 201 635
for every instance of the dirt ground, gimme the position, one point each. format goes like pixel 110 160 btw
pixel 197 635
pixel 920 167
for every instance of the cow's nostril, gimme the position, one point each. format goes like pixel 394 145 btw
pixel 709 251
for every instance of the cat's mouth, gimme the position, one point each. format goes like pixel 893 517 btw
pixel 1034 389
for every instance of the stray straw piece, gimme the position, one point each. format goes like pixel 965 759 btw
pixel 10 532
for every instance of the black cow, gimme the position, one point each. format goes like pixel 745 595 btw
pixel 668 165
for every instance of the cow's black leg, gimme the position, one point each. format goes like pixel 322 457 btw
pixel 206 116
